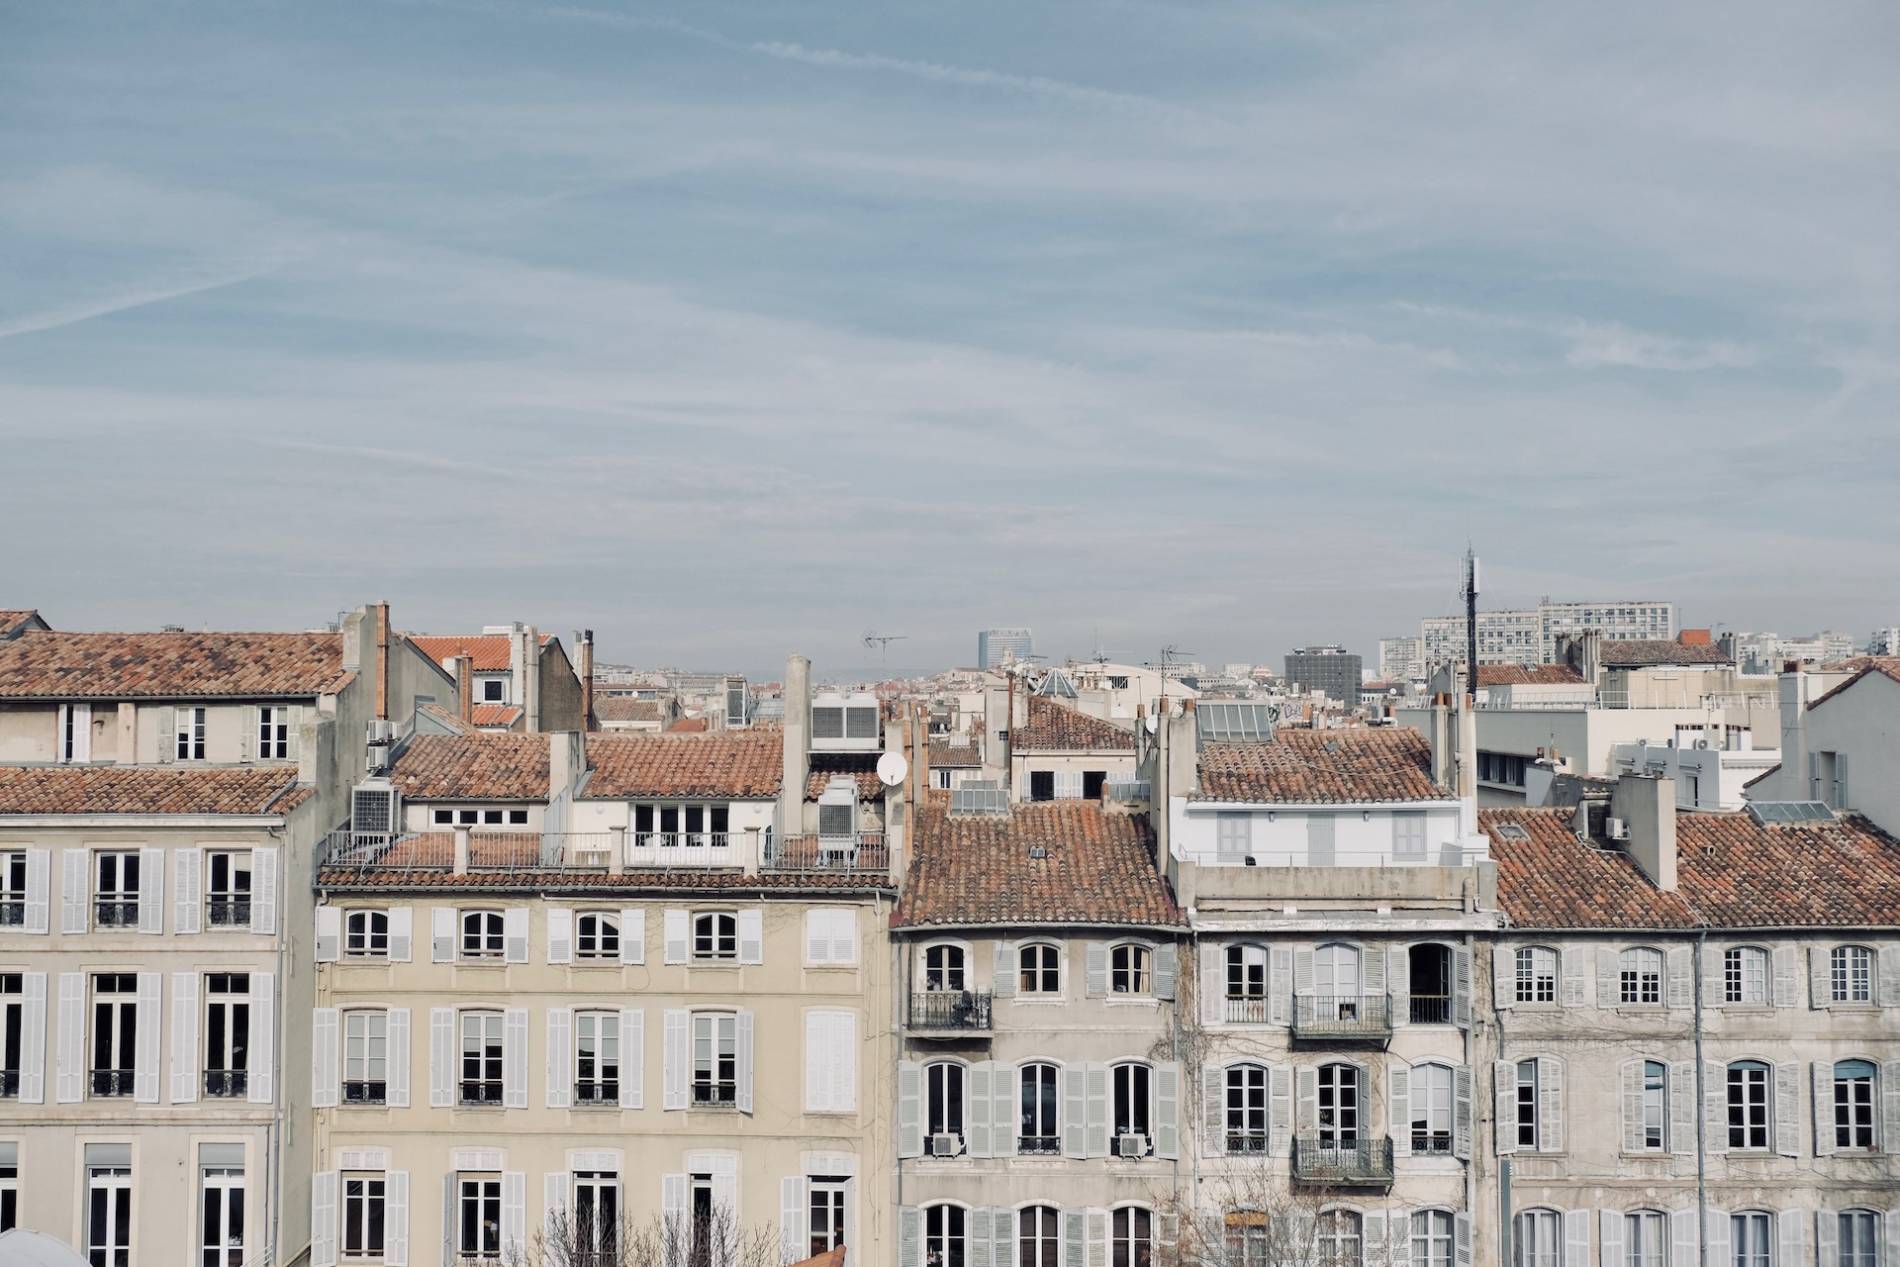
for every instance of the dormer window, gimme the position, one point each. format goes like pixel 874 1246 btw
pixel 190 737
pixel 494 691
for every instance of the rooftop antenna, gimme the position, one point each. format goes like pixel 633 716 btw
pixel 1171 653
pixel 883 644
pixel 1471 623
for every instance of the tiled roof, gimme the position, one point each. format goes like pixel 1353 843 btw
pixel 1098 868
pixel 1528 675
pixel 1386 763
pixel 689 726
pixel 11 619
pixel 445 718
pixel 494 714
pixel 734 765
pixel 485 766
pixel 626 708
pixel 1655 651
pixel 147 790
pixel 1731 872
pixel 945 753
pixel 861 766
pixel 1055 727
pixel 1865 666
pixel 490 652
pixel 48 664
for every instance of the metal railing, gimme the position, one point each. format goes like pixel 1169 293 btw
pixel 861 853
pixel 479 1091
pixel 595 1094
pixel 1431 1143
pixel 366 1091
pixel 528 851
pixel 1431 1009
pixel 228 910
pixel 1246 1009
pixel 111 1083
pixel 116 912
pixel 1244 1142
pixel 950 1010
pixel 715 1095
pixel 12 910
pixel 1038 1145
pixel 1351 1017
pixel 226 1083
pixel 9 1084
pixel 1361 1162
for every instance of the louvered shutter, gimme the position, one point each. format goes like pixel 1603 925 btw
pixel 752 935
pixel 1004 1119
pixel 329 941
pixel 1827 1238
pixel 1213 1110
pixel 1503 975
pixel 560 1086
pixel 1461 1239
pixel 1633 1108
pixel 1820 990
pixel 910 1109
pixel 1787 1124
pixel 1398 983
pixel 979 1244
pixel 145 1074
pixel 978 1104
pixel 1577 1239
pixel 910 1237
pixel 37 917
pixel 187 889
pixel 261 1086
pixel 1167 967
pixel 1003 972
pixel 676 1053
pixel 560 935
pixel 1550 1104
pixel 1789 1226
pixel 1280 1108
pixel 1714 1103
pixel 1098 1238
pixel 1821 1085
pixel 678 943
pixel 323 1203
pixel 263 890
pixel 250 721
pixel 633 1033
pixel 1399 1101
pixel 1887 976
pixel 743 1037
pixel 441 1057
pixel 1372 1240
pixel 1074 1238
pixel 167 735
pixel 1003 1228
pixel 817 944
pixel 1715 1233
pixel 1713 990
pixel 1306 1093
pixel 1682 1237
pixel 514 1058
pixel 554 1216
pixel 184 1038
pixel 794 1245
pixel 1786 977
pixel 514 922
pixel 1461 1113
pixel 1607 978
pixel 323 1057
pixel 514 1215
pixel 397 1087
pixel 1280 985
pixel 1372 980
pixel 33 1037
pixel 395 1218
pixel 1680 985
pixel 402 932
pixel 1399 1242
pixel 73 890
pixel 1610 1237
pixel 817 1053
pixel 1167 1115
pixel 70 1077
pixel 1572 984
pixel 1097 970
pixel 442 934
pixel 1681 1097
pixel 1099 1143
pixel 1075 1110
pixel 1504 1105
pixel 1208 983
pixel 1302 972
pixel 633 935
pixel 151 890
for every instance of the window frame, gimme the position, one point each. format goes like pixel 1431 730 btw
pixel 1131 1095
pixel 946 1088
pixel 363 1212
pixel 1038 1236
pixel 1425 1227
pixel 120 1006
pixel 1435 1137
pixel 1132 964
pixel 485 1197
pixel 491 1090
pixel 1525 1094
pixel 1039 981
pixel 188 738
pixel 1746 971
pixel 1635 981
pixel 1842 975
pixel 1037 1103
pixel 1523 1227
pixel 602 1089
pixel 365 1019
pixel 360 943
pixel 229 1181
pixel 1759 1076
pixel 1635 1252
pixel 1844 1108
pixel 1526 962
pixel 718 931
pixel 230 907
pixel 606 925
pixel 945 966
pixel 1857 1231
pixel 950 1245
pixel 232 1054
pixel 1339 1236
pixel 1348 1093
pixel 706 1087
pixel 490 941
pixel 115 907
pixel 1242 1103
pixel 114 1180
pixel 1763 1224
pixel 273 732
pixel 1131 1235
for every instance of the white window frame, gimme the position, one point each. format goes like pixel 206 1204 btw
pixel 943 1245
pixel 1752 1238
pixel 228 1182
pixel 1131 1236
pixel 238 890
pixel 483 1191
pixel 273 732
pixel 1655 1104
pixel 490 939
pixel 1745 976
pixel 605 1059
pixel 1538 1239
pixel 1758 1076
pixel 1432 1236
pixel 718 930
pixel 372 1191
pixel 1032 1107
pixel 1246 1097
pixel 234 1000
pixel 13 882
pixel 1534 967
pixel 123 1010
pixel 590 943
pixel 121 895
pixel 946 968
pixel 1850 974
pixel 477 1023
pixel 1131 1092
pixel 715 1042
pixel 1430 1106
pixel 1639 971
pixel 1857 1232
pixel 365 1052
pixel 1131 970
pixel 827 1201
pixel 189 739
pixel 494 691
pixel 1847 1107
pixel 1030 978
pixel 359 926
pixel 1646 1239
pixel 938 1074
pixel 112 1179
pixel 1524 1094
pixel 1043 1243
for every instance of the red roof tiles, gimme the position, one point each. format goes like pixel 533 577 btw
pixel 1054 727
pixel 627 708
pixel 148 790
pixel 490 652
pixel 494 714
pixel 1528 675
pixel 861 767
pixel 1643 652
pixel 964 755
pixel 1867 666
pixel 480 767
pixel 1326 767
pixel 733 765
pixel 46 664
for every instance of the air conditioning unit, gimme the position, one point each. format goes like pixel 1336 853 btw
pixel 375 812
pixel 1131 1146
pixel 1616 829
pixel 380 740
pixel 946 1145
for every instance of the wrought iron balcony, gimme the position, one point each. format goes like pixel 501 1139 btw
pixel 950 1011
pixel 1325 1018
pixel 365 1091
pixel 1039 1145
pixel 1240 1143
pixel 226 1083
pixel 1431 1009
pixel 715 1095
pixel 1361 1163
pixel 597 1094
pixel 116 912
pixel 111 1083
pixel 480 1093
pixel 228 910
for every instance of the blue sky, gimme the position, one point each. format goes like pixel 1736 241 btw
pixel 734 329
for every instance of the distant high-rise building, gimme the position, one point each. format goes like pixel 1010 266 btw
pixel 995 647
pixel 1331 669
pixel 1529 635
pixel 1401 659
pixel 1885 641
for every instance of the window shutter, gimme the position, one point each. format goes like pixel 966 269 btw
pixel 1280 1108
pixel 324 1040
pixel 1075 1110
pixel 633 935
pixel 1714 1104
pixel 398 1086
pixel 560 935
pixel 1550 1104
pixel 1577 1238
pixel 1819 993
pixel 817 1054
pixel 1399 1221
pixel 1005 1118
pixel 979 1101
pixel 1503 975
pixel 1003 974
pixel 151 890
pixel 1097 974
pixel 448 1218
pixel 1167 968
pixel 70 1077
pixel 184 1038
pixel 249 720
pixel 1887 976
pixel 187 889
pixel 1821 1085
pixel 402 933
pixel 1461 1239
pixel 1399 1101
pixel 1306 1094
pixel 752 935
pixel 1372 973
pixel 1680 1092
pixel 395 1218
pixel 1213 1110
pixel 1682 1238
pixel 1893 1235
pixel 743 1042
pixel 33 1037
pixel 514 1058
pixel 1461 1112
pixel 1814 776
pixel 323 1192
pixel 167 735
pixel 293 727
pixel 1098 1109
pixel 1167 1115
pixel 263 890
pixel 844 937
pixel 1889 1107
pixel 145 1076
pixel 1504 1105
pixel 980 1244
pixel 73 889
pixel 514 923
pixel 261 1086
pixel 1712 986
pixel 1461 988
pixel 560 1085
pixel 1681 984
pixel 817 943
pixel 38 913
pixel 1004 1229
pixel 1303 972
pixel 793 1243
pixel 633 1063
pixel 910 1109
pixel 442 934
pixel 553 1207
pixel 1208 983
pixel 677 943
pixel 1280 985
pixel 1788 1108
pixel 1827 1238
pixel 910 1237
pixel 1785 978
pixel 1610 1237
pixel 1398 983
pixel 329 934
pixel 1607 977
pixel 1074 1238
pixel 514 1215
pixel 1715 1236
pixel 677 1054
pixel 441 1057
pixel 1098 1238
pixel 1633 1108
pixel 1790 1225
pixel 1571 977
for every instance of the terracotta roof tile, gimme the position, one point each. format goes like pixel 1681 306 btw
pixel 861 766
pixel 1345 766
pixel 1098 868
pixel 46 664
pixel 446 718
pixel 1642 652
pixel 945 753
pixel 736 765
pixel 1528 675
pixel 1866 666
pixel 489 651
pixel 1554 880
pixel 149 790
pixel 689 726
pixel 485 766
pixel 494 714
pixel 1054 727
pixel 627 708
pixel 11 619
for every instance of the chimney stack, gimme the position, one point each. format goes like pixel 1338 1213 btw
pixel 1647 806
pixel 584 649
pixel 381 611
pixel 464 671
pixel 797 747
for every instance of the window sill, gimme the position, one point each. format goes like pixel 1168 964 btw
pixel 1131 1000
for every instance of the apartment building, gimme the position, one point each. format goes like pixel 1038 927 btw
pixel 1401 659
pixel 1698 1036
pixel 1039 1090
pixel 1328 670
pixel 159 808
pixel 1057 752
pixel 1836 724
pixel 515 678
pixel 1530 635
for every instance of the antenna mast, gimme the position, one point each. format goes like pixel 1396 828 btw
pixel 1471 624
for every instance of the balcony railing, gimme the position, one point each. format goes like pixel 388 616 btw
pixel 1431 1143
pixel 12 910
pixel 111 1083
pixel 715 1095
pixel 228 910
pixel 480 1092
pixel 1245 1142
pixel 1431 1009
pixel 1362 1163
pixel 365 1091
pixel 528 851
pixel 1365 1018
pixel 959 1011
pixel 9 1084
pixel 1039 1145
pixel 1248 1009
pixel 226 1083
pixel 596 1094
pixel 862 853
pixel 116 913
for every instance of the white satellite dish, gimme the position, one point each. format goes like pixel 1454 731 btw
pixel 1152 722
pixel 891 768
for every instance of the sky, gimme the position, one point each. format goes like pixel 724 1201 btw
pixel 730 330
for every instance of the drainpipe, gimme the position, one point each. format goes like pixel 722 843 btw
pixel 1701 1114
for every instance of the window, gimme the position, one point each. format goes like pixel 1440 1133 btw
pixel 1336 981
pixel 1430 1105
pixel 1131 1083
pixel 482 935
pixel 597 935
pixel 227 1033
pixel 1527 1104
pixel 1338 1106
pixel 517 818
pixel 221 1217
pixel 1038 1134
pixel 1748 1105
pixel 13 889
pixel 481 1058
pixel 491 818
pixel 1751 1235
pixel 1639 977
pixel 943 1095
pixel 1408 836
pixel 363 1211
pixel 228 897
pixel 366 934
pixel 715 1059
pixel 824 1217
pixel 1536 974
pixel 467 817
pixel 1859 1238
pixel 702 1230
pixel 1042 785
pixel 114 1032
pixel 75 732
pixel 273 733
pixel 1128 969
pixel 1431 1239
pixel 109 1215
pixel 1850 974
pixel 478 1219
pixel 191 735
pixel 10 1189
pixel 1246 1109
pixel 12 1031
pixel 597 1058
pixel 1038 1237
pixel 940 777
pixel 1233 836
pixel 943 1236
pixel 1246 983
pixel 1539 1239
pixel 1249 1239
pixel 365 1057
pixel 1429 966
pixel 596 1231
pixel 1341 1239
pixel 1655 1106
pixel 1131 1237
pixel 1854 1104
pixel 1745 975
pixel 1643 1244
pixel 943 968
pixel 1040 969
pixel 715 935
pixel 116 897
pixel 494 690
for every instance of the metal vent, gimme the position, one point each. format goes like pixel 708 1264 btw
pixel 860 723
pixel 827 722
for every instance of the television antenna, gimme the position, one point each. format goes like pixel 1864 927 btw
pixel 883 644
pixel 1170 654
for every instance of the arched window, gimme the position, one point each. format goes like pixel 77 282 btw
pixel 1338 1106
pixel 1131 1237
pixel 1129 969
pixel 1538 1240
pixel 1038 1236
pixel 1431 1109
pixel 1431 1238
pixel 1039 969
pixel 1246 1108
pixel 1336 988
pixel 1429 969
pixel 1750 1083
pixel 1859 1238
pixel 597 935
pixel 715 935
pixel 1341 1239
pixel 943 1235
pixel 943 969
pixel 1751 1238
pixel 482 936
pixel 943 1092
pixel 1038 1133
pixel 1850 972
pixel 1247 982
pixel 1745 975
pixel 366 934
pixel 1639 977
pixel 1853 1105
pixel 1644 1240
pixel 1536 974
pixel 1131 1081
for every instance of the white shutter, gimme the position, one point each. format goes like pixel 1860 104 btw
pixel 1302 972
pixel 560 935
pixel 70 1076
pixel 1280 985
pixel 395 1218
pixel 73 891
pixel 1714 1103
pixel 978 1101
pixel 1461 1239
pixel 817 1053
pixel 1889 1107
pixel 1399 1096
pixel 1682 1237
pixel 1461 987
pixel 560 1084
pixel 1577 1238
pixel 1372 973
pixel 1681 977
pixel 1715 1235
pixel 187 889
pixel 910 1109
pixel 263 890
pixel 1681 1098
pixel 1075 1110
pixel 677 1051
pixel 1098 1109
pixel 1213 1110
pixel 633 1064
pixel 1209 985
pixel 1004 1229
pixel 980 1243
pixel 1573 986
pixel 1607 977
pixel 1712 976
pixel 1461 1113
pixel 1504 1105
pixel 250 721
pixel 145 1076
pixel 151 890
pixel 442 934
pixel 262 1083
pixel 1887 976
pixel 1893 1235
pixel 678 944
pixel 184 1038
pixel 402 933
pixel 33 1037
pixel 1280 1108
pixel 1398 983
pixel 1785 977
pixel 1167 1114
pixel 1003 970
pixel 514 923
pixel 1098 1238
pixel 1167 968
pixel 553 1205
pixel 1096 971
pixel 396 1090
pixel 329 920
pixel 743 1041
pixel 817 939
pixel 323 1220
pixel 633 935
pixel 441 1057
pixel 910 1236
pixel 1005 1119
pixel 1306 1099
pixel 514 1215
pixel 1820 992
pixel 1633 1108
pixel 323 1057
pixel 1074 1239
pixel 752 935
pixel 1550 1104
pixel 1788 1108
pixel 793 1243
pixel 514 1057
pixel 36 917
pixel 1821 1085
pixel 1610 1237
pixel 1503 975
pixel 1827 1238
pixel 1790 1224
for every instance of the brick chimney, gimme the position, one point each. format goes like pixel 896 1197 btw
pixel 463 667
pixel 381 616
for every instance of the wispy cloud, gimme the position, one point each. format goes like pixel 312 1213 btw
pixel 1613 346
pixel 124 301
